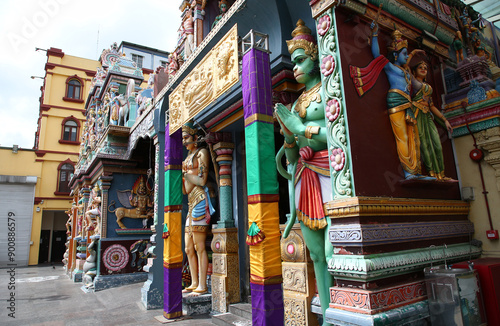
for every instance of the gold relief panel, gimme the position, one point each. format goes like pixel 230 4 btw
pixel 295 277
pixel 295 311
pixel 293 248
pixel 218 244
pixel 219 264
pixel 225 240
pixel 215 74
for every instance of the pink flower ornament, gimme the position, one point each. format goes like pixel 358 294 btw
pixel 332 110
pixel 337 159
pixel 324 24
pixel 327 65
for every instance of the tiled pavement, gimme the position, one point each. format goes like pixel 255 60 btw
pixel 45 296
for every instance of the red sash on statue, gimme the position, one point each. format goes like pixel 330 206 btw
pixel 365 78
pixel 310 208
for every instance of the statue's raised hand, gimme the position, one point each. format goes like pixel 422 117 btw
pixel 290 123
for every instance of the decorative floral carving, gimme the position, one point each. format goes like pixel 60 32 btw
pixel 218 293
pixel 219 264
pixel 372 266
pixel 295 312
pixel 327 65
pixel 295 278
pixel 323 25
pixel 115 258
pixel 337 138
pixel 379 300
pixel 332 109
pixel 354 234
pixel 338 159
pixel 295 241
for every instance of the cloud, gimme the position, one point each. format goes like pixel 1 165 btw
pixel 79 28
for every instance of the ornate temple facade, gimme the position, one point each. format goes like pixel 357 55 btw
pixel 390 216
pixel 397 170
pixel 111 219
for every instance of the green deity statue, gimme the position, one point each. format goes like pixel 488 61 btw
pixel 305 148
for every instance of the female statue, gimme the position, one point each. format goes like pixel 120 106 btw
pixel 305 148
pixel 430 144
pixel 399 104
pixel 194 184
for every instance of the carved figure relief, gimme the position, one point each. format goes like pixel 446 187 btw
pixel 137 202
pixel 93 213
pixel 216 73
pixel 200 201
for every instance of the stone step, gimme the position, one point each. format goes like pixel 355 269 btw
pixel 228 319
pixel 242 310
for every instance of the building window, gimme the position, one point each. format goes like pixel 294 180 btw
pixel 138 59
pixel 74 88
pixel 65 172
pixel 70 129
pixel 163 63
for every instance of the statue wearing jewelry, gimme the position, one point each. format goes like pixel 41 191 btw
pixel 426 112
pixel 200 196
pixel 305 148
pixel 399 103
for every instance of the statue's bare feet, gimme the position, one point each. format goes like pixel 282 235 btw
pixel 189 289
pixel 196 292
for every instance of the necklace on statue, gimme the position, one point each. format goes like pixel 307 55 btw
pixel 306 98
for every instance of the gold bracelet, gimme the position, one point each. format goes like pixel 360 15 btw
pixel 289 145
pixel 311 130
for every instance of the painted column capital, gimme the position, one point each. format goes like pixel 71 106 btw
pixel 318 7
pixel 224 158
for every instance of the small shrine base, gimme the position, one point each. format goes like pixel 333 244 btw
pixel 196 305
pixel 415 314
pixel 103 282
pixel 77 276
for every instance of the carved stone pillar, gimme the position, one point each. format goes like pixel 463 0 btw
pixel 224 159
pixel 225 272
pixel 298 279
pixel 489 141
pixel 199 16
pixel 132 110
pixel 152 290
pixel 105 185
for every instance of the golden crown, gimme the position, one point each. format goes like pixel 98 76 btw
pixel 189 128
pixel 398 42
pixel 302 39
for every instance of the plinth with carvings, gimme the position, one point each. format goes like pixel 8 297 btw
pixel 299 285
pixel 385 229
pixel 225 269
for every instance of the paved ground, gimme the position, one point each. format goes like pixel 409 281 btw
pixel 45 296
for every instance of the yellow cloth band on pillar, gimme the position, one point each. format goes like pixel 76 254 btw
pixel 265 257
pixel 172 249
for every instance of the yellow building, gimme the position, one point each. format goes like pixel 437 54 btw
pixel 19 175
pixel 57 142
pixel 41 175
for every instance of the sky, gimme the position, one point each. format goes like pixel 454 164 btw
pixel 78 28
